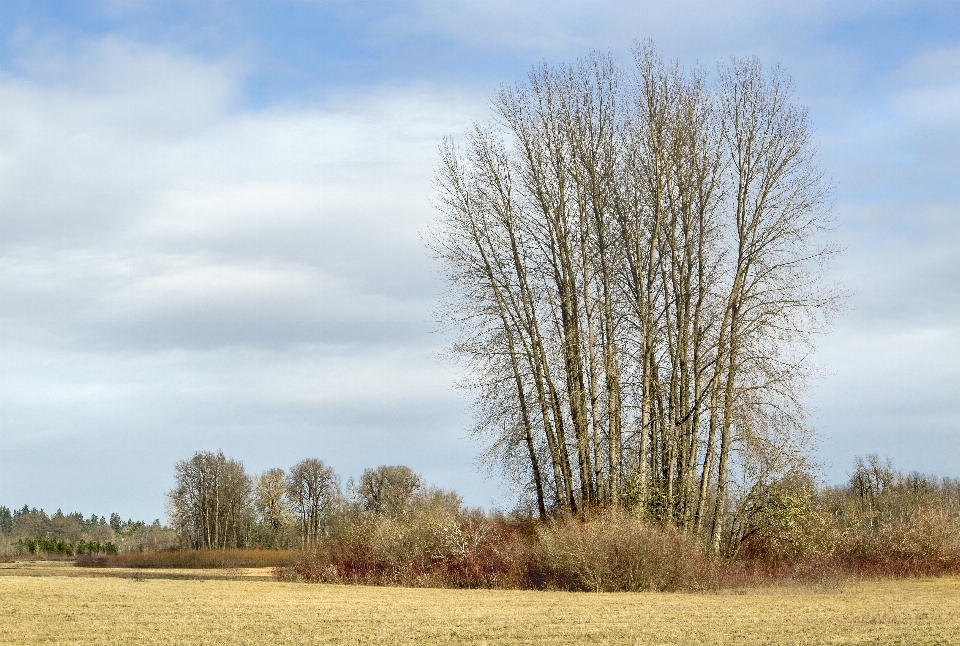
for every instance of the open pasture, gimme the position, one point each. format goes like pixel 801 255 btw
pixel 58 604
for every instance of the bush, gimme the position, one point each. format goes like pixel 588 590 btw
pixel 609 552
pixel 798 539
pixel 882 524
pixel 430 546
pixel 613 551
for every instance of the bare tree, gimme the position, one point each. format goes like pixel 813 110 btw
pixel 387 490
pixel 269 501
pixel 210 504
pixel 636 270
pixel 64 528
pixel 775 300
pixel 313 491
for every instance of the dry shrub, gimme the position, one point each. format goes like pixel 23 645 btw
pixel 884 524
pixel 191 559
pixel 927 543
pixel 610 551
pixel 613 551
pixel 423 550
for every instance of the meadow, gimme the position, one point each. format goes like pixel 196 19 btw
pixel 54 603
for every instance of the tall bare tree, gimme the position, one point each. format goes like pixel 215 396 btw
pixel 210 504
pixel 636 269
pixel 313 491
pixel 387 490
pixel 269 501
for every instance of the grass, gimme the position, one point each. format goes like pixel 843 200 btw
pixel 42 605
pixel 230 558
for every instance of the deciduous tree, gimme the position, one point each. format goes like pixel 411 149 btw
pixel 210 504
pixel 636 262
pixel 313 490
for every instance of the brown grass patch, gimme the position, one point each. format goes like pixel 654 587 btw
pixel 192 559
pixel 90 609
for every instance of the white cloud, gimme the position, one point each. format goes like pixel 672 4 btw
pixel 175 268
pixel 178 272
pixel 692 29
pixel 894 357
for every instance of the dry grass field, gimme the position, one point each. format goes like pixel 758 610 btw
pixel 60 604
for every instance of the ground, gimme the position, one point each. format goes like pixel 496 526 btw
pixel 60 604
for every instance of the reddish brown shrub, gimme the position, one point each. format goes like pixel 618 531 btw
pixel 926 543
pixel 608 551
pixel 461 553
pixel 612 551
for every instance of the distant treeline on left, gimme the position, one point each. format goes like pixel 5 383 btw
pixel 31 531
pixel 216 504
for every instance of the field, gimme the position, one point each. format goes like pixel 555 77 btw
pixel 54 603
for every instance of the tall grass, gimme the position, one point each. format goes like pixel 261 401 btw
pixel 192 559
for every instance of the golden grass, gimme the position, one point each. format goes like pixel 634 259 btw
pixel 230 558
pixel 40 605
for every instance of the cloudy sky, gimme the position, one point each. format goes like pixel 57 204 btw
pixel 211 218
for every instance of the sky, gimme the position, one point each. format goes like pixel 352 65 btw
pixel 211 221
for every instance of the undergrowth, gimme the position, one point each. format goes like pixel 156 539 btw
pixel 607 551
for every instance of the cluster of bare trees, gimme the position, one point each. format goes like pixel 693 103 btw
pixel 879 494
pixel 635 260
pixel 387 490
pixel 215 504
pixel 313 491
pixel 209 503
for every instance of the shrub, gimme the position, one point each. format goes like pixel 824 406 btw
pixel 612 551
pixel 609 551
pixel 881 524
pixel 429 547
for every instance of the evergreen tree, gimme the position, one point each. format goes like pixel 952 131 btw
pixel 6 520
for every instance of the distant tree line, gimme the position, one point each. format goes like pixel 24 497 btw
pixel 215 504
pixel 389 527
pixel 31 530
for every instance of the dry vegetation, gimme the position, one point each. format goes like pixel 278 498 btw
pixel 882 524
pixel 613 551
pixel 439 548
pixel 191 559
pixel 98 610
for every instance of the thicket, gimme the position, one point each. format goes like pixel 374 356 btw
pixel 880 523
pixel 389 527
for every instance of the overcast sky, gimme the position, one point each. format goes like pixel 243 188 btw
pixel 211 218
